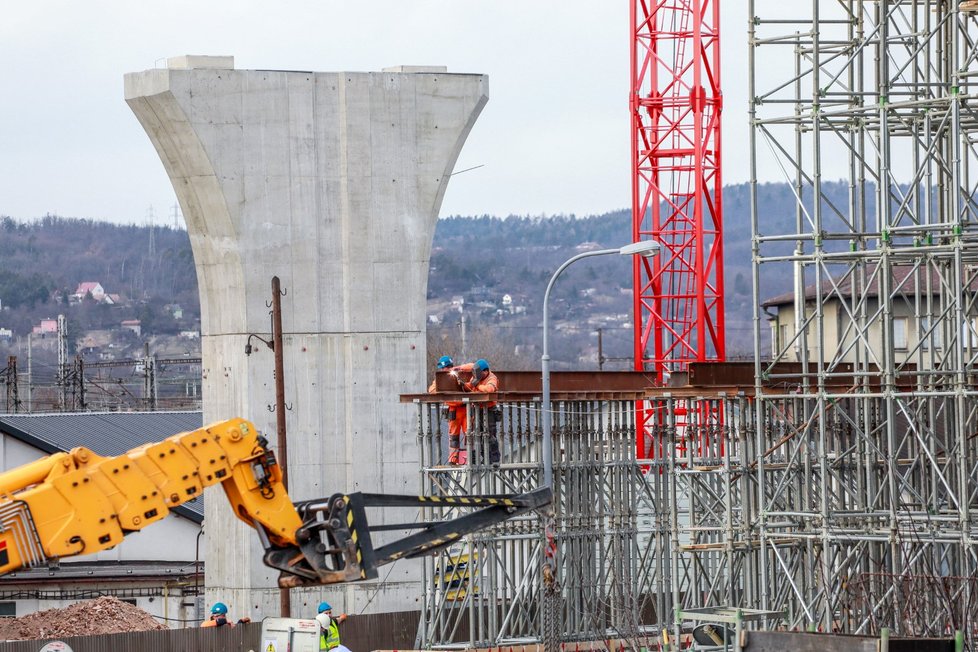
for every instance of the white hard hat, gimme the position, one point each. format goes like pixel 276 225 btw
pixel 323 620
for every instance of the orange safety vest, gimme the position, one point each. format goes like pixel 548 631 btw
pixel 210 622
pixel 488 385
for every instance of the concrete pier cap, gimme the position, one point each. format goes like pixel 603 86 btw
pixel 331 181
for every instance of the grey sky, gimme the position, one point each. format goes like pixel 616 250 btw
pixel 554 137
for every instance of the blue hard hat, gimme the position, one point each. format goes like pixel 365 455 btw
pixel 324 606
pixel 219 608
pixel 445 362
pixel 480 365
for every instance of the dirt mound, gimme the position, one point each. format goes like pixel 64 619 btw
pixel 105 615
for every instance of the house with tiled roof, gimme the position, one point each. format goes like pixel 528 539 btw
pixel 47 326
pixel 133 325
pixel 851 311
pixel 88 287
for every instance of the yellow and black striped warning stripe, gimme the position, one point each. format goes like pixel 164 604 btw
pixel 434 543
pixel 353 535
pixel 467 500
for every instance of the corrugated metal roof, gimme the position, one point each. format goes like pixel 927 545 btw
pixel 101 570
pixel 106 433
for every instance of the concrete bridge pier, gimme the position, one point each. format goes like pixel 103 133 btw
pixel 332 182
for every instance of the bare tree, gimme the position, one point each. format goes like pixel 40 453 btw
pixel 484 341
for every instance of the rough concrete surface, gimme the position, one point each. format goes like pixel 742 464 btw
pixel 333 182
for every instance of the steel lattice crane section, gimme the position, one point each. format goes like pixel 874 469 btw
pixel 676 183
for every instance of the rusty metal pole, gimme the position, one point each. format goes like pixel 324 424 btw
pixel 285 599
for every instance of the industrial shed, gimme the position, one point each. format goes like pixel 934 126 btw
pixel 160 569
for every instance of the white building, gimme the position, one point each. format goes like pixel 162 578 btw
pixel 159 569
pixel 88 287
pixel 915 311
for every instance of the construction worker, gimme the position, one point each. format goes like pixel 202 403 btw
pixel 456 419
pixel 219 616
pixel 482 380
pixel 329 629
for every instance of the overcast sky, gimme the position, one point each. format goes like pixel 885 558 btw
pixel 554 137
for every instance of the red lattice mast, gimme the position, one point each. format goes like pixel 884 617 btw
pixel 676 183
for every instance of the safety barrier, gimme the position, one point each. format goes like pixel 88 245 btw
pixel 360 633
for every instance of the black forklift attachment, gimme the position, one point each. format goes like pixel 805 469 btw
pixel 335 543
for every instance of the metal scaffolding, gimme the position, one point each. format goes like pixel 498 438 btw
pixel 841 515
pixel 488 590
pixel 632 539
pixel 832 486
pixel 855 503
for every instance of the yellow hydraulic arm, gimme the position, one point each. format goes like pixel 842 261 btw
pixel 78 503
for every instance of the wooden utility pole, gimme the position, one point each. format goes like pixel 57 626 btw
pixel 80 379
pixel 13 401
pixel 285 598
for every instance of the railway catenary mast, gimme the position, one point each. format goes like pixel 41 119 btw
pixel 675 104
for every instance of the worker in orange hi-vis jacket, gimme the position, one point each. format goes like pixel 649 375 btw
pixel 456 419
pixel 485 382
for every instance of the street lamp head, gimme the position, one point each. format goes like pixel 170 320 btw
pixel 645 248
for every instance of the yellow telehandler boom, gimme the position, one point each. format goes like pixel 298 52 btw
pixel 78 503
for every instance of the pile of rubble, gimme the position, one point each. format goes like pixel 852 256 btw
pixel 105 615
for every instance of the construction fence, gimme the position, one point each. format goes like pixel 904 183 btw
pixel 360 633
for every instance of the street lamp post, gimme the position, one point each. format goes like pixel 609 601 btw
pixel 645 248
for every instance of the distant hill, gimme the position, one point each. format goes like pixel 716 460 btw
pixel 485 258
pixel 498 267
pixel 44 261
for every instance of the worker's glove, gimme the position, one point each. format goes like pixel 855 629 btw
pixel 244 620
pixel 341 619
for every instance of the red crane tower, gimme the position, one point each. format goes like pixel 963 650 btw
pixel 676 184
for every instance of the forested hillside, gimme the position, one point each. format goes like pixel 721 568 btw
pixel 43 262
pixel 497 267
